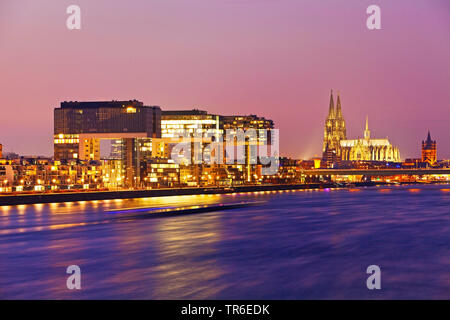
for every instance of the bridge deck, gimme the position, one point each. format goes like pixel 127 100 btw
pixel 375 172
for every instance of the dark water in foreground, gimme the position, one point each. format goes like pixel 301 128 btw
pixel 297 245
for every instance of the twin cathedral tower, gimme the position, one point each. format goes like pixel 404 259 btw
pixel 336 146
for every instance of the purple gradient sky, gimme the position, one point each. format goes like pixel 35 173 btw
pixel 278 59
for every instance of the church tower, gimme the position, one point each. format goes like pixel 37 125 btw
pixel 429 150
pixel 329 126
pixel 335 129
pixel 367 131
pixel 340 122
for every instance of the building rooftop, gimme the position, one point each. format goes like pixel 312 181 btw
pixel 101 104
pixel 193 112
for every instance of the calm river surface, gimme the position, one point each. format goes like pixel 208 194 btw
pixel 296 245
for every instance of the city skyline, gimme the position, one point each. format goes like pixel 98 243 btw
pixel 318 154
pixel 402 87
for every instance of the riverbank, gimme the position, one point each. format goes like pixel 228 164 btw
pixel 20 199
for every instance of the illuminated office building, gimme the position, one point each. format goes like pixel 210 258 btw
pixel 199 122
pixel 204 129
pixel 190 121
pixel 79 126
pixel 245 122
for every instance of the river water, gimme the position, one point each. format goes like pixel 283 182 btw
pixel 309 244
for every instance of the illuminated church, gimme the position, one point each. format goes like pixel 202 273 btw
pixel 428 150
pixel 336 146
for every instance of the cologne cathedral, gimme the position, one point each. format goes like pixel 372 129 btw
pixel 336 146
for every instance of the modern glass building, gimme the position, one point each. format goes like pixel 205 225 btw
pixel 199 121
pixel 191 121
pixel 78 126
pixel 204 130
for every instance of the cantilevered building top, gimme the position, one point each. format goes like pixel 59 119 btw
pixel 101 104
pixel 94 117
pixel 193 112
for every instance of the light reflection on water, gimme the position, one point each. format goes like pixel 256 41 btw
pixel 300 244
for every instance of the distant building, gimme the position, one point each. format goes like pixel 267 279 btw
pixel 6 175
pixel 1 151
pixel 11 155
pixel 429 151
pixel 329 158
pixel 413 163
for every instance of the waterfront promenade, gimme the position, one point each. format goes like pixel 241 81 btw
pixel 18 199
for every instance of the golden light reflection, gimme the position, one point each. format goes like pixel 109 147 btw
pixel 21 209
pixel 5 210
pixel 66 225
pixel 38 208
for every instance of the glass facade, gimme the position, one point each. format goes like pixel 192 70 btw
pixel 189 121
pixel 74 119
pixel 107 117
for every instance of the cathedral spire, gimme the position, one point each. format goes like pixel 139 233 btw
pixel 367 131
pixel 429 136
pixel 338 107
pixel 331 109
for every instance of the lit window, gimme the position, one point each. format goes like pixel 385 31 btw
pixel 131 110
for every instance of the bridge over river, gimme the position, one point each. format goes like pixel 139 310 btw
pixel 376 172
